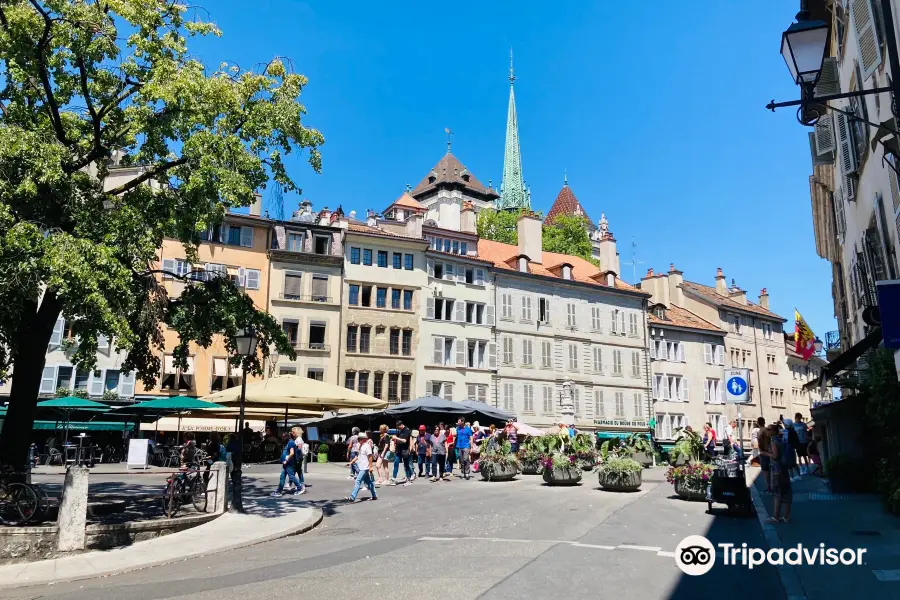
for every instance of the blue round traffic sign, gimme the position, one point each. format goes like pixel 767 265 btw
pixel 736 386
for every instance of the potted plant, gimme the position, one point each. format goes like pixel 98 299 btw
pixel 322 453
pixel 688 446
pixel 638 447
pixel 584 446
pixel 560 465
pixel 621 475
pixel 533 450
pixel 498 463
pixel 690 480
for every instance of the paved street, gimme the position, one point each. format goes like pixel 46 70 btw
pixel 492 540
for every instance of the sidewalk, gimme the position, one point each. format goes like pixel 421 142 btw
pixel 266 519
pixel 837 521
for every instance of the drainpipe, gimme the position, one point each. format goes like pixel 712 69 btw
pixel 648 376
pixel 758 372
pixel 341 317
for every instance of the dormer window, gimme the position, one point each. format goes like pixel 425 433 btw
pixel 567 272
pixel 523 264
pixel 611 279
pixel 660 312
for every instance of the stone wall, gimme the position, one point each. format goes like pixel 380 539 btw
pixel 25 544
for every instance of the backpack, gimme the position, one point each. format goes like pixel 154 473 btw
pixel 785 454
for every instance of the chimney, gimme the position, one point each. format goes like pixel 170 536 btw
pixel 764 298
pixel 721 286
pixel 256 207
pixel 467 218
pixel 371 218
pixel 737 294
pixel 606 248
pixel 657 286
pixel 325 216
pixel 414 222
pixel 676 278
pixel 530 237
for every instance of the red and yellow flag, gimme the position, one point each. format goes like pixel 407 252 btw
pixel 804 338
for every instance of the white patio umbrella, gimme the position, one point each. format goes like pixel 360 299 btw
pixel 290 392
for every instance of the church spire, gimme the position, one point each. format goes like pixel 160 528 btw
pixel 512 187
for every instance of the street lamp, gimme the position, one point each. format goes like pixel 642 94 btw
pixel 818 344
pixel 245 342
pixel 803 48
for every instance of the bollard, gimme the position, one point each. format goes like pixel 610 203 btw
pixel 216 486
pixel 73 510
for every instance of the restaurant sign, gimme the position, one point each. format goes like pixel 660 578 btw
pixel 635 423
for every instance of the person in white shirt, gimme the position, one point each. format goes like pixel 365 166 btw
pixel 364 462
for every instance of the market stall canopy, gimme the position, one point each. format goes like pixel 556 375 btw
pixel 525 429
pixel 72 403
pixel 83 426
pixel 428 404
pixel 181 425
pixel 173 404
pixel 294 391
pixel 260 414
pixel 491 411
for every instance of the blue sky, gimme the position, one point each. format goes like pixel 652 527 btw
pixel 655 109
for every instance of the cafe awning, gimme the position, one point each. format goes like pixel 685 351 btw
pixel 83 426
pixel 846 360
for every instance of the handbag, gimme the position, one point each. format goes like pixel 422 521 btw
pixel 392 451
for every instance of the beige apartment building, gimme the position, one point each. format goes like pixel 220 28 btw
pixel 238 249
pixel 384 273
pixel 305 293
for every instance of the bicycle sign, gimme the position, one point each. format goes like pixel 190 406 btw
pixel 737 386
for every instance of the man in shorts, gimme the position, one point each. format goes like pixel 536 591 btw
pixel 763 440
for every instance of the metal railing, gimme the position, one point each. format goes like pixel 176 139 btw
pixel 319 347
pixel 307 298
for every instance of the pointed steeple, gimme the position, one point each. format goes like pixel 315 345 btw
pixel 512 187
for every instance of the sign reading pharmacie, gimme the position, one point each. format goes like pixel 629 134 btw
pixel 632 424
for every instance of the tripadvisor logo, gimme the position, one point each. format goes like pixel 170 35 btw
pixel 696 555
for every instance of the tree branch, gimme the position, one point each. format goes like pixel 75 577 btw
pixel 95 119
pixel 52 105
pixel 148 174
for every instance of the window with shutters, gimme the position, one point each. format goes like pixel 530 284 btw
pixel 576 399
pixel 476 354
pixel 319 288
pixel 475 313
pixel 526 308
pixel 617 363
pixel 573 357
pixel 443 309
pixel 863 25
pixel 548 400
pixel 635 364
pixel 544 310
pixel 776 396
pixel 527 355
pixel 293 285
pixel 620 405
pixel 638 405
pixel 507 357
pixel 571 319
pixel 597 353
pixel 506 307
pixel 599 409
pixel 546 355
pixel 846 147
pixel 633 324
pixel 613 321
pixel 713 392
pixel 508 396
pixel 595 318
pixel 528 398
pixel 477 392
pixel 708 354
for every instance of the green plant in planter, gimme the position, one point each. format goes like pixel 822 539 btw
pixel 688 445
pixel 322 453
pixel 610 447
pixel 497 459
pixel 532 449
pixel 62 392
pixel 559 461
pixel 618 471
pixel 110 396
pixel 584 446
pixel 694 476
pixel 637 443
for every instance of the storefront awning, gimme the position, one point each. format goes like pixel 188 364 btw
pixel 83 426
pixel 846 359
pixel 606 435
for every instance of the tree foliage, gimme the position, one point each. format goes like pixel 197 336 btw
pixel 568 234
pixel 86 81
pixel 498 225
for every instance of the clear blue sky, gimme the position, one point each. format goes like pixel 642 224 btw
pixel 656 109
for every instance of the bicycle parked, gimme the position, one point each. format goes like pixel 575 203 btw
pixel 21 503
pixel 186 486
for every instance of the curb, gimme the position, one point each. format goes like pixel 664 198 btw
pixel 308 524
pixel 793 588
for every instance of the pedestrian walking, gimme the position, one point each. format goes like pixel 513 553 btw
pixel 381 464
pixel 401 454
pixel 463 446
pixel 754 441
pixel 363 461
pixel 765 462
pixel 792 442
pixel 803 443
pixel 423 452
pixel 291 460
pixel 512 436
pixel 709 440
pixel 438 453
pixel 779 455
pixel 451 451
pixel 352 452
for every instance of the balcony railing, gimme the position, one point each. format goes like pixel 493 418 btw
pixel 306 298
pixel 314 346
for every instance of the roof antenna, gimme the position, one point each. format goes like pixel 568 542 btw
pixel 634 262
pixel 565 178
pixel 449 133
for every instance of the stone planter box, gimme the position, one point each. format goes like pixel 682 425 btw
pixel 531 468
pixel 631 483
pixel 570 476
pixel 645 459
pixel 498 472
pixel 687 493
pixel 586 464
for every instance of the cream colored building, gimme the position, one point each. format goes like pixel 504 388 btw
pixel 384 273
pixel 803 373
pixel 564 326
pixel 305 293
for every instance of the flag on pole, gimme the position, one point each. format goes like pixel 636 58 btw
pixel 804 338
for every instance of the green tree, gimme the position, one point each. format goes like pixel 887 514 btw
pixel 498 225
pixel 83 81
pixel 568 234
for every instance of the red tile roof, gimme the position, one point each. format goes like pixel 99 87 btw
pixel 681 317
pixel 584 271
pixel 449 170
pixel 407 201
pixel 712 296
pixel 566 204
pixel 358 228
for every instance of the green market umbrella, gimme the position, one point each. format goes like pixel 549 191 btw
pixel 69 404
pixel 171 405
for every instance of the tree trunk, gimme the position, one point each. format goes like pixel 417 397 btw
pixel 29 355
